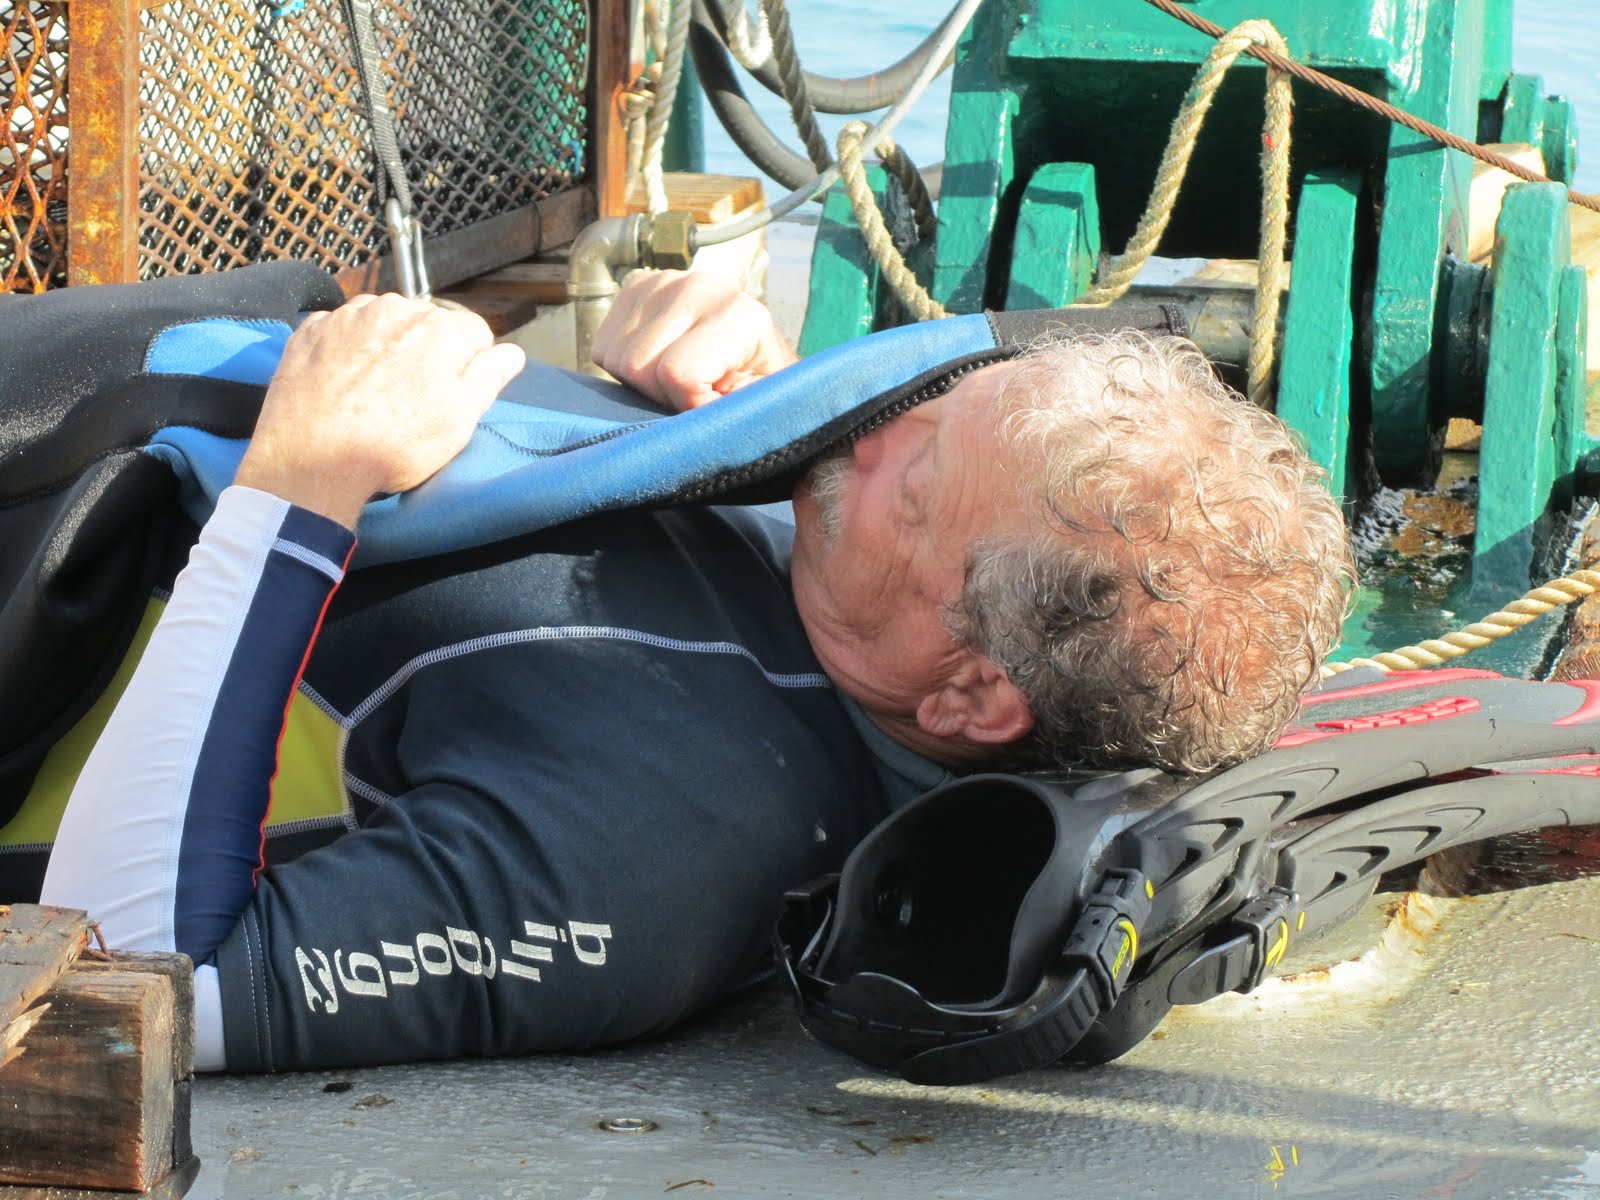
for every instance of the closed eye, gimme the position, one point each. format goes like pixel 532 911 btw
pixel 910 486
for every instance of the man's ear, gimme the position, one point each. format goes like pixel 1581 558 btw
pixel 978 703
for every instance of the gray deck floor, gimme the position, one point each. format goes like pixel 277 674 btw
pixel 1459 1060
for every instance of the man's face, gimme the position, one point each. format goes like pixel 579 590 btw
pixel 878 560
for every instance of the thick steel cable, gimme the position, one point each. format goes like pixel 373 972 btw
pixel 1372 104
pixel 1435 652
pixel 956 24
pixel 1120 274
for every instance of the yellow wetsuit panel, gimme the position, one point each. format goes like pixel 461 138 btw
pixel 306 787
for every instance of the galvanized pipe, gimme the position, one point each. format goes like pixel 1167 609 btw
pixel 597 254
pixel 613 245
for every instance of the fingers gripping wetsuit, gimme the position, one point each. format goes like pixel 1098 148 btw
pixel 583 766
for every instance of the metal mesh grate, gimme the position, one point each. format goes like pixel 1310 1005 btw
pixel 254 142
pixel 33 139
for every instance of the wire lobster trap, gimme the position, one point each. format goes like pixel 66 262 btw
pixel 141 138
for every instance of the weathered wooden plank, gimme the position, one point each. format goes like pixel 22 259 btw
pixel 91 1105
pixel 710 198
pixel 501 313
pixel 175 1185
pixel 538 282
pixel 176 968
pixel 36 945
pixel 453 257
pixel 16 1029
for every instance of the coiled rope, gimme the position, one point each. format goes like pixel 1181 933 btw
pixel 880 244
pixel 1158 212
pixel 1435 652
pixel 1120 273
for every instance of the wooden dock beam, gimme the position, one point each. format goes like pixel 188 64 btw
pixel 94 1095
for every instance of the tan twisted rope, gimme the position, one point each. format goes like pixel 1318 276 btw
pixel 1274 187
pixel 1372 104
pixel 1274 232
pixel 853 177
pixel 670 60
pixel 1435 652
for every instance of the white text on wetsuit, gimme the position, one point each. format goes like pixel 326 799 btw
pixel 434 953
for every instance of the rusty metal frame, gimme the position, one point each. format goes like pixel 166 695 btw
pixel 103 118
pixel 104 218
pixel 609 75
pixel 510 237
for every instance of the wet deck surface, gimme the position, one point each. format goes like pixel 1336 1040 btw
pixel 1460 1061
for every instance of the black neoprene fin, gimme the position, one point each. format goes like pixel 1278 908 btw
pixel 1005 922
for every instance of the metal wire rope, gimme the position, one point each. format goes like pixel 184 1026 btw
pixel 1372 104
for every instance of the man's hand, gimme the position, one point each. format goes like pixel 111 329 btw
pixel 684 338
pixel 373 397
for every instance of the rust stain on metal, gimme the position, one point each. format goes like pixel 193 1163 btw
pixel 103 145
pixel 205 134
pixel 1314 975
pixel 1441 512
pixel 1420 930
pixel 33 139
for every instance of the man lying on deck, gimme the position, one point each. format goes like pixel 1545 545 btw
pixel 579 766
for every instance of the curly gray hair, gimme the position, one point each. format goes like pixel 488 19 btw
pixel 1188 576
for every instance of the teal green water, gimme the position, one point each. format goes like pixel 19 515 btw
pixel 1403 602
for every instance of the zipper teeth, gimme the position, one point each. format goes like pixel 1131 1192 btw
pixel 921 396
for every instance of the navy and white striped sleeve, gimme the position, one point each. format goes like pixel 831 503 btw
pixel 162 838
